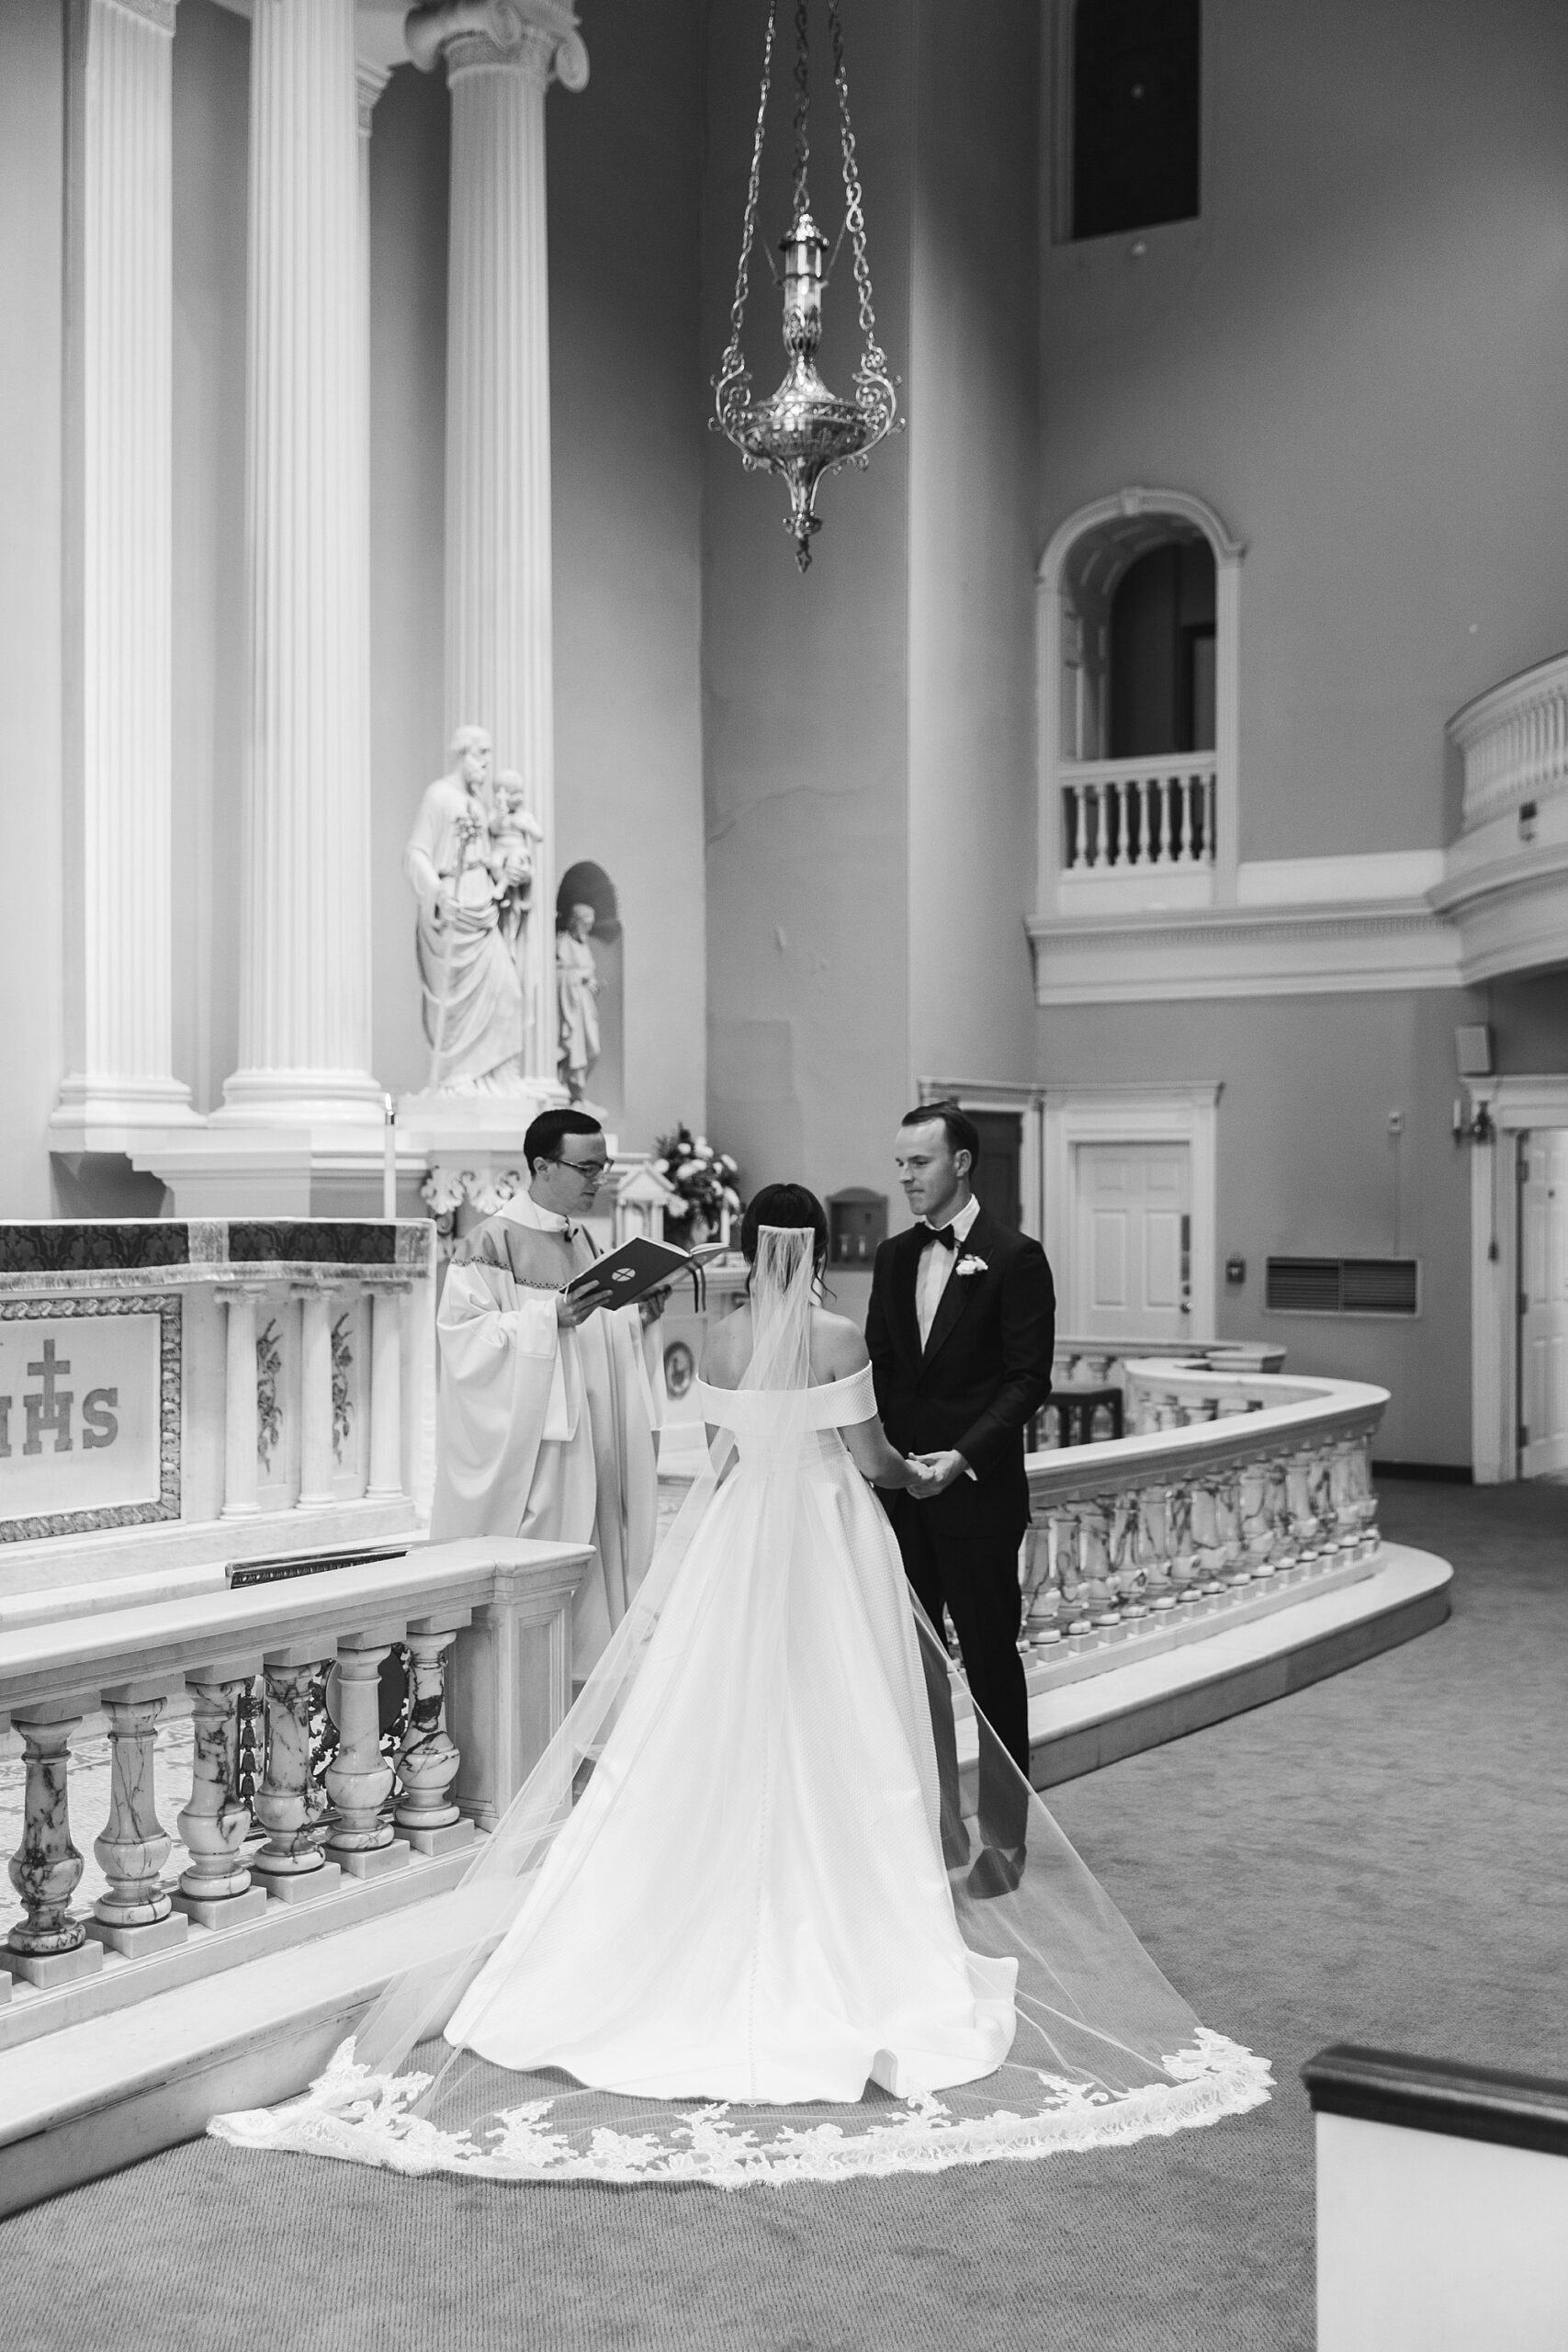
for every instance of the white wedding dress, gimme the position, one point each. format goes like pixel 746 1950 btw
pixel 720 1904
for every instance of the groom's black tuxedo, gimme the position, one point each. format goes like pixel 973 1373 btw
pixel 982 1375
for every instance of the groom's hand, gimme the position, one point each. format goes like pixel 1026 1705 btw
pixel 940 1471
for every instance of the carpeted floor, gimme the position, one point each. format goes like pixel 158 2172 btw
pixel 1375 1860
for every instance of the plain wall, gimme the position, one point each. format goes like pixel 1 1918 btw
pixel 212 132
pixel 32 113
pixel 972 462
pixel 1307 1167
pixel 806 683
pixel 629 432
pixel 1359 355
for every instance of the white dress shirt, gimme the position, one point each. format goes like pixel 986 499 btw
pixel 936 1266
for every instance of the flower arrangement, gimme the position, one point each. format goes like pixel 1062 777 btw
pixel 706 1180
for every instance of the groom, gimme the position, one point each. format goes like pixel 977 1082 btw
pixel 961 1329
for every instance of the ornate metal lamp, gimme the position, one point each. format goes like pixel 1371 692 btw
pixel 803 430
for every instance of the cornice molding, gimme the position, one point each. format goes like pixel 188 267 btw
pixel 1241 951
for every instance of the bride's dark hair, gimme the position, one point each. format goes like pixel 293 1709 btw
pixel 785 1205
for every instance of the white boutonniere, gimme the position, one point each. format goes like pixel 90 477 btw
pixel 971 1265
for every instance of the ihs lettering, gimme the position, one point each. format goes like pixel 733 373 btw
pixel 47 1410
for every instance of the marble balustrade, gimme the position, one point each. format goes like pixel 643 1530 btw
pixel 1113 1364
pixel 485 1628
pixel 1226 1483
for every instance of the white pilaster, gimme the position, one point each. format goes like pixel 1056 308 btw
pixel 305 929
pixel 497 628
pixel 119 531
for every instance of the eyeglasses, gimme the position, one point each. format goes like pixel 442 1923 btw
pixel 592 1171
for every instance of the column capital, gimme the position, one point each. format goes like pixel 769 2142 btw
pixel 538 38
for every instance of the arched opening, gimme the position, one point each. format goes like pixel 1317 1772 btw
pixel 586 884
pixel 1162 652
pixel 1138 690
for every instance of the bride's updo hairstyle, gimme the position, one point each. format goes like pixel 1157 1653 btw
pixel 786 1205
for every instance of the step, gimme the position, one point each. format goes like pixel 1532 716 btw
pixel 111 2090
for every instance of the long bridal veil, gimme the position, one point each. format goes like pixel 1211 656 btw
pixel 1104 2048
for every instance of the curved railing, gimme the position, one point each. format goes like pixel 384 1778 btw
pixel 1513 743
pixel 1231 1486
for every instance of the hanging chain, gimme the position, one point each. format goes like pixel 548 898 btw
pixel 802 109
pixel 854 216
pixel 730 374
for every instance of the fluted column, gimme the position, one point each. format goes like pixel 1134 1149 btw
pixel 499 61
pixel 305 928
pixel 119 592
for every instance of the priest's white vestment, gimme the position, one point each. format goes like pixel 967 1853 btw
pixel 542 1431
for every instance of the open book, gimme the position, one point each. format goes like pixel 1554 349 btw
pixel 642 1265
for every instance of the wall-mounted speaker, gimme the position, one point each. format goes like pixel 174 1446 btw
pixel 1472 1050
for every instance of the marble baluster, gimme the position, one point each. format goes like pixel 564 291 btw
pixel 289 1805
pixel 48 1945
pixel 1153 1547
pixel 428 1760
pixel 1185 1575
pixel 358 1780
pixel 240 1459
pixel 316 1461
pixel 386 1475
pixel 1066 1555
pixel 215 1887
pixel 136 1913
pixel 1319 1475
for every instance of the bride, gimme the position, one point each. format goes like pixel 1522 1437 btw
pixel 715 1938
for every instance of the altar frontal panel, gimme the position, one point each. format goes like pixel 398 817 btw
pixel 89 1414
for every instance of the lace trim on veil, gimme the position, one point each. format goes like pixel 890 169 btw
pixel 360 2118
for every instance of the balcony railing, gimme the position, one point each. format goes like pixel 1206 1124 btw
pixel 1513 743
pixel 1139 816
pixel 1236 1487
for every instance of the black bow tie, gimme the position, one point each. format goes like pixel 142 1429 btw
pixel 946 1235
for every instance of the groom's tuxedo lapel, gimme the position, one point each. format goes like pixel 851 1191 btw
pixel 960 1290
pixel 906 1277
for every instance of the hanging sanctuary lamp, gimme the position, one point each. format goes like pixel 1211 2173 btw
pixel 803 431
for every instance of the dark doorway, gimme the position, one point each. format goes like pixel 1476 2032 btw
pixel 1162 653
pixel 998 1177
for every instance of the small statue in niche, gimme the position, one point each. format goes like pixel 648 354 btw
pixel 576 979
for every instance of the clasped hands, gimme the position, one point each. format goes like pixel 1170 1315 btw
pixel 932 1473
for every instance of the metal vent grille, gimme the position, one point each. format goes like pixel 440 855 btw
pixel 1342 1285
pixel 1302 1285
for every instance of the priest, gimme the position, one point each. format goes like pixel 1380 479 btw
pixel 547 1412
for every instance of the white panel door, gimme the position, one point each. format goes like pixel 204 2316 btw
pixel 1544 1302
pixel 1132 1241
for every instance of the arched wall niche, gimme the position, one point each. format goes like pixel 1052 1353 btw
pixel 1130 831
pixel 586 884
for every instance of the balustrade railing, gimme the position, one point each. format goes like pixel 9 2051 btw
pixel 1513 743
pixel 485 1628
pixel 1139 816
pixel 1234 1484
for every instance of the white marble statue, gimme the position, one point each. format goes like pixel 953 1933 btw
pixel 469 860
pixel 577 982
